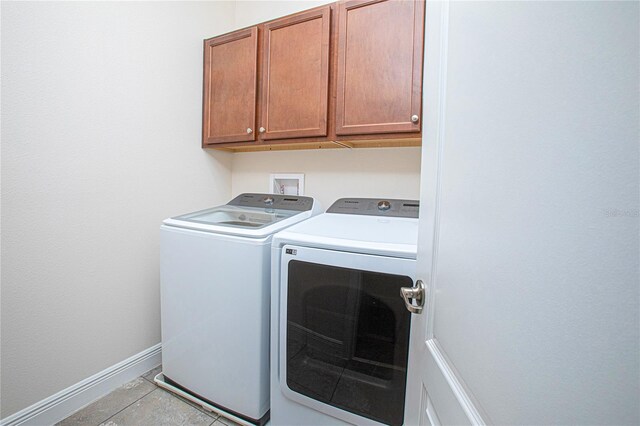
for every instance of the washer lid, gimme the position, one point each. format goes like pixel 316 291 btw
pixel 242 217
pixel 250 215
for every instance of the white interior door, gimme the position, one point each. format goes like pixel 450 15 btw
pixel 528 239
pixel 436 395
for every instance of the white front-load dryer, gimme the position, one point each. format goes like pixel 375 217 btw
pixel 215 295
pixel 339 325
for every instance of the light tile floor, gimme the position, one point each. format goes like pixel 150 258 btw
pixel 142 402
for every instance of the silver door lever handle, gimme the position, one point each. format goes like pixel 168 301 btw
pixel 414 294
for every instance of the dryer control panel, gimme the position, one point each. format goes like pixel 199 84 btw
pixel 273 201
pixel 376 207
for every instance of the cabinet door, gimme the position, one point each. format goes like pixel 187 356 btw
pixel 295 76
pixel 230 77
pixel 379 66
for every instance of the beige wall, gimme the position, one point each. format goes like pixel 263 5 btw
pixel 334 173
pixel 329 174
pixel 250 12
pixel 101 116
pixel 101 107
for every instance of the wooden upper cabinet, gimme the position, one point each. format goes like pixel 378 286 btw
pixel 344 74
pixel 295 76
pixel 379 80
pixel 230 84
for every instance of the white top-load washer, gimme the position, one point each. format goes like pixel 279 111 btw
pixel 215 294
pixel 339 325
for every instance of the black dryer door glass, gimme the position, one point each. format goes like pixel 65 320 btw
pixel 348 339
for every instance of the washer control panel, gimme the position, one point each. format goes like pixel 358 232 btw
pixel 376 207
pixel 273 201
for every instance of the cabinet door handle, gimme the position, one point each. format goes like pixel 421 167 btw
pixel 414 118
pixel 249 130
pixel 262 129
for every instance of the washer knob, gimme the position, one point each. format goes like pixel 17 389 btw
pixel 268 200
pixel 384 205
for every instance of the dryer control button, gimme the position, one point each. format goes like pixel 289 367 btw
pixel 384 205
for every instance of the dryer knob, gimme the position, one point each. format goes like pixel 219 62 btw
pixel 268 200
pixel 384 205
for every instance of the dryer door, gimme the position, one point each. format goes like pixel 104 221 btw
pixel 345 333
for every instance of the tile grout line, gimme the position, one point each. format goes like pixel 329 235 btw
pixel 150 381
pixel 114 414
pixel 156 387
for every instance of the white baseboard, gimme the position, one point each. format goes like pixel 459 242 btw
pixel 66 402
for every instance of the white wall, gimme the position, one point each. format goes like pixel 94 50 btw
pixel 101 117
pixel 537 256
pixel 329 174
